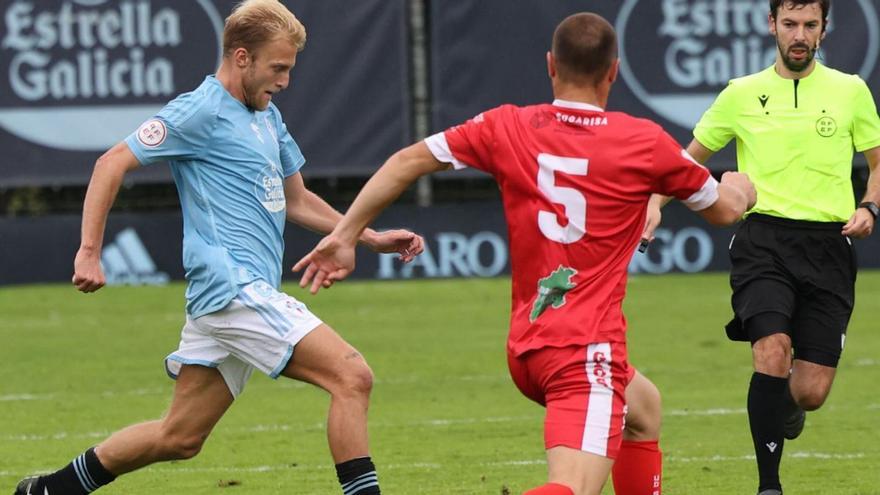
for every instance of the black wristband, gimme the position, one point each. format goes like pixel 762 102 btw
pixel 872 208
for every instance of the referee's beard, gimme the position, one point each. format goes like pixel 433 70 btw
pixel 793 65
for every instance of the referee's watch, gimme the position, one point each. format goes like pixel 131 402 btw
pixel 872 208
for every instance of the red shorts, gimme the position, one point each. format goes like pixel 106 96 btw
pixel 583 389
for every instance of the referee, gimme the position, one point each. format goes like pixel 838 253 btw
pixel 793 264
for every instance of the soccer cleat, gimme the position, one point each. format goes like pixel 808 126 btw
pixel 794 423
pixel 28 485
pixel 770 491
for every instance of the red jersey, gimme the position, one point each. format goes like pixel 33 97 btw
pixel 575 182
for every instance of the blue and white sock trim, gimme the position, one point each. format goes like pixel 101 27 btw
pixel 363 481
pixel 85 479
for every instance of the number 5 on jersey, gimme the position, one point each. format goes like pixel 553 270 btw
pixel 574 202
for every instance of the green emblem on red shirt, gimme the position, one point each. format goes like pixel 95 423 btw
pixel 552 290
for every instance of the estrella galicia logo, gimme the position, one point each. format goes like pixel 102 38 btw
pixel 677 55
pixel 269 188
pixel 126 261
pixel 81 74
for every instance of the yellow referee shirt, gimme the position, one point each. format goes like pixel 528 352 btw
pixel 795 139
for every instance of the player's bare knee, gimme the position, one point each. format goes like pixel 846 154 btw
pixel 360 381
pixel 183 446
pixel 654 418
pixel 644 418
pixel 772 355
pixel 643 431
pixel 812 402
pixel 356 379
pixel 810 399
pixel 177 444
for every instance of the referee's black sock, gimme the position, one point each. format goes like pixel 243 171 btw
pixel 83 475
pixel 358 477
pixel 766 418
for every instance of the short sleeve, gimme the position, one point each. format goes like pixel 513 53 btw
pixel 469 144
pixel 179 132
pixel 292 158
pixel 716 127
pixel 680 176
pixel 866 124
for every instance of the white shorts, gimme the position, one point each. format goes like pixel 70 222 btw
pixel 258 329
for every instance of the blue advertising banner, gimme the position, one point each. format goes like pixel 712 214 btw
pixel 79 75
pixel 462 240
pixel 676 55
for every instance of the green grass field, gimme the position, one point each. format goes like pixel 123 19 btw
pixel 445 417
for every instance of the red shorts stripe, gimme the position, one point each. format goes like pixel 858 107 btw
pixel 583 389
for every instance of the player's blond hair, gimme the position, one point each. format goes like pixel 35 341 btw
pixel 255 22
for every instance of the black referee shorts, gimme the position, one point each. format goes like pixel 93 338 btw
pixel 793 277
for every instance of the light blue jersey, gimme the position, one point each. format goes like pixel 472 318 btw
pixel 229 164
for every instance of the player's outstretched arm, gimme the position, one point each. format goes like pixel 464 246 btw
pixel 699 153
pixel 309 210
pixel 862 222
pixel 333 258
pixel 736 196
pixel 106 179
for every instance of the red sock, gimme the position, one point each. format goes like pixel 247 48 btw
pixel 637 469
pixel 550 489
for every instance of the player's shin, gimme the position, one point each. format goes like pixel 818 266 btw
pixel 638 468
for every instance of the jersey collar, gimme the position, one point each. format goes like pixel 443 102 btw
pixel 816 70
pixel 577 105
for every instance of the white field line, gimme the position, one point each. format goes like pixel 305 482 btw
pixel 401 380
pixel 164 391
pixel 25 397
pixel 429 423
pixel 274 428
pixel 714 458
pixel 793 455
pixel 179 468
pixel 704 412
pixel 286 384
pixel 63 435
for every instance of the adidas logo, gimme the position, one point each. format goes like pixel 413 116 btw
pixel 127 262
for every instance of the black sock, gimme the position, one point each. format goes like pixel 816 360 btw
pixel 83 475
pixel 358 477
pixel 766 418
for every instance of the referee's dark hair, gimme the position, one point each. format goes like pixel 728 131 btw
pixel 585 47
pixel 825 5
